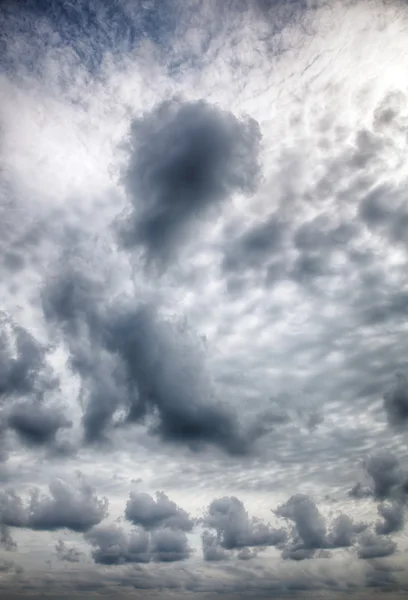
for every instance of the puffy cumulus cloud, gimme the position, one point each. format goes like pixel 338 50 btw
pixel 235 530
pixel 74 507
pixel 113 546
pixel 389 480
pixel 168 545
pixel 309 523
pixel 184 159
pixel 212 551
pixel 373 546
pixel 67 553
pixel 142 509
pixel 393 515
pixel 310 529
pixel 130 358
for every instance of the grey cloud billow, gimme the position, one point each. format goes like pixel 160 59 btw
pixel 373 546
pixel 310 533
pixel 389 480
pixel 393 515
pixel 113 546
pixel 390 485
pixel 235 530
pixel 128 357
pixel 24 371
pixel 142 509
pixel 184 159
pixel 26 383
pixel 66 507
pixel 396 400
pixel 37 425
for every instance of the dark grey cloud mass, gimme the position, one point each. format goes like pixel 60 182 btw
pixel 311 533
pixel 372 546
pixel 113 546
pixel 396 399
pixel 66 507
pixel 128 357
pixel 142 509
pixel 24 371
pixel 35 424
pixel 235 530
pixel 393 515
pixel 389 479
pixel 184 158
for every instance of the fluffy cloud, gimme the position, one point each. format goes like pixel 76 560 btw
pixel 150 513
pixel 389 481
pixel 128 357
pixel 311 532
pixel 113 546
pixel 372 546
pixel 235 530
pixel 36 424
pixel 74 507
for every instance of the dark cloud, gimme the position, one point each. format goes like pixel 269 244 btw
pixel 150 513
pixel 309 523
pixel 393 518
pixel 235 530
pixel 12 510
pixel 212 551
pixel 396 400
pixel 168 545
pixel 24 371
pixel 373 546
pixel 383 468
pixel 113 546
pixel 387 475
pixel 310 532
pixel 37 425
pixel 184 158
pixel 67 507
pixel 343 532
pixel 130 358
pixel 66 553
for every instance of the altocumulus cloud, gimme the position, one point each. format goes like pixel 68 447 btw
pixel 203 259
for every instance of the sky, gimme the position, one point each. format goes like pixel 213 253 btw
pixel 203 299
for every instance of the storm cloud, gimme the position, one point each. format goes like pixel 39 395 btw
pixel 235 530
pixel 113 546
pixel 74 507
pixel 150 513
pixel 184 159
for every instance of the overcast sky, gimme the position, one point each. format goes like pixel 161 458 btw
pixel 203 299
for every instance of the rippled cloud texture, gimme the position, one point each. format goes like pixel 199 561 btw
pixel 204 299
